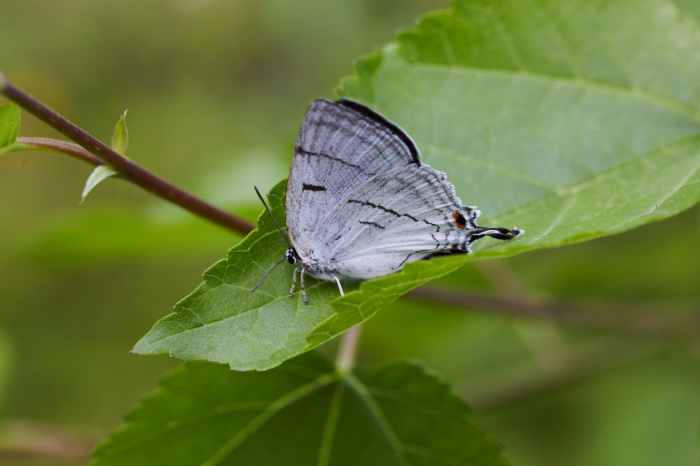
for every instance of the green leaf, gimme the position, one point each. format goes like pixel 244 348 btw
pixel 301 413
pixel 100 173
pixel 222 321
pixel 120 138
pixel 569 120
pixel 9 126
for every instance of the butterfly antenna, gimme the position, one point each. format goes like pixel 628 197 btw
pixel 268 273
pixel 278 227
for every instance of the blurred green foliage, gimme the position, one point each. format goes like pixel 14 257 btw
pixel 214 88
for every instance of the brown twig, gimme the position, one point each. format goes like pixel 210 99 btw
pixel 523 382
pixel 31 442
pixel 630 316
pixel 126 167
pixel 504 282
pixel 545 341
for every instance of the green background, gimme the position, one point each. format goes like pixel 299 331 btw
pixel 215 92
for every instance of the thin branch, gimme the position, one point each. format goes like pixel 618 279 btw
pixel 545 341
pixel 57 147
pixel 25 441
pixel 348 349
pixel 501 278
pixel 126 167
pixel 523 382
pixel 629 316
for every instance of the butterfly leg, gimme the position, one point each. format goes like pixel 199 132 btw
pixel 294 279
pixel 339 286
pixel 303 290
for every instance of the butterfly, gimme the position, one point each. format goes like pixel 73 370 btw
pixel 360 203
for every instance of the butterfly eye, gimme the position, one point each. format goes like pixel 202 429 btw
pixel 291 256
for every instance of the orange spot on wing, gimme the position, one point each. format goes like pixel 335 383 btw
pixel 459 220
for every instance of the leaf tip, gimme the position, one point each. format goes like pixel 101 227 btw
pixel 98 175
pixel 120 137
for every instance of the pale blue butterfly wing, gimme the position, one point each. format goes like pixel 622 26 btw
pixel 359 201
pixel 339 148
pixel 404 215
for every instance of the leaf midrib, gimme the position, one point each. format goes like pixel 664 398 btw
pixel 366 395
pixel 190 421
pixel 379 417
pixel 576 188
pixel 274 408
pixel 194 329
pixel 326 448
pixel 465 158
pixel 267 412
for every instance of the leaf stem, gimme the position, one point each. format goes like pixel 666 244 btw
pixel 348 349
pixel 126 167
pixel 56 147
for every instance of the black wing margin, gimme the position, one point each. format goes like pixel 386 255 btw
pixel 390 126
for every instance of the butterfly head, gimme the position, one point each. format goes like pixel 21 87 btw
pixel 292 256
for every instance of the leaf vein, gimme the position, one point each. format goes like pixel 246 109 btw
pixel 379 416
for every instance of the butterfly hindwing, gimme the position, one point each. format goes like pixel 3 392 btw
pixel 400 216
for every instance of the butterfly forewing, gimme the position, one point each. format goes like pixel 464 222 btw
pixel 341 145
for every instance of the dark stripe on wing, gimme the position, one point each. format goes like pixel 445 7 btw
pixel 430 223
pixel 376 206
pixel 391 211
pixel 302 151
pixel 312 187
pixel 372 223
pixel 404 261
